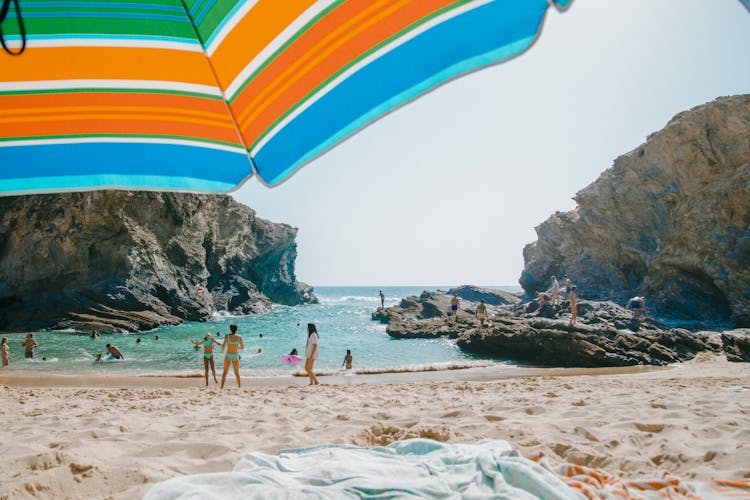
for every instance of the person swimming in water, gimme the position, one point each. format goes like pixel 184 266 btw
pixel 208 354
pixel 231 346
pixel 293 352
pixel 114 352
pixel 99 358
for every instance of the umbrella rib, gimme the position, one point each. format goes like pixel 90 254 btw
pixel 253 170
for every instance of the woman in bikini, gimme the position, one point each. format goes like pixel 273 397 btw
pixel 4 353
pixel 208 353
pixel 232 344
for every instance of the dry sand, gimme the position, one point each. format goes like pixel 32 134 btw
pixel 60 441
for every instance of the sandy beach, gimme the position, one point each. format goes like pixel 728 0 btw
pixel 61 439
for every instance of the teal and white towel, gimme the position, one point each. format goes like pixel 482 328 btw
pixel 414 468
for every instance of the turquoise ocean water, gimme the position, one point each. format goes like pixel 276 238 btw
pixel 342 318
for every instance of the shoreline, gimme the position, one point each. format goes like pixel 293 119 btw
pixel 29 378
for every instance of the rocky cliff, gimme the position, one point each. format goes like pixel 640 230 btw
pixel 116 260
pixel 670 221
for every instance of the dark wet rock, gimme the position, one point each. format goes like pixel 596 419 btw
pixel 737 344
pixel 490 297
pixel 436 304
pixel 117 260
pixel 538 332
pixel 669 221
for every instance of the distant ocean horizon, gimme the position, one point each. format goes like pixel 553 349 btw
pixel 343 318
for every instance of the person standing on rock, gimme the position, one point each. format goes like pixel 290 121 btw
pixel 637 305
pixel 482 312
pixel 382 299
pixel 554 290
pixel 568 284
pixel 573 307
pixel 232 345
pixel 4 352
pixel 29 345
pixel 454 307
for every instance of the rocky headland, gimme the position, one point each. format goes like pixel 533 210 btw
pixel 539 332
pixel 129 261
pixel 669 221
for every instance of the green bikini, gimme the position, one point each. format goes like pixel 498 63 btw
pixel 234 356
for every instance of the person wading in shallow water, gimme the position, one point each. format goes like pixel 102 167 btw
pixel 232 345
pixel 29 345
pixel 311 352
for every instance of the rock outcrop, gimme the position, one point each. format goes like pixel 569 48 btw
pixel 670 221
pixel 116 260
pixel 606 334
pixel 435 304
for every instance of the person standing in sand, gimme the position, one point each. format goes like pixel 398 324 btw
pixel 4 352
pixel 208 354
pixel 232 345
pixel 482 312
pixel 382 299
pixel 573 307
pixel 311 352
pixel 29 345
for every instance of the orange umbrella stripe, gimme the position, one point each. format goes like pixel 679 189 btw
pixel 309 57
pixel 110 63
pixel 130 126
pixel 113 116
pixel 328 50
pixel 265 21
pixel 23 102
pixel 107 111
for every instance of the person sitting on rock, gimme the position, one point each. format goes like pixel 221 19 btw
pixel 481 312
pixel 637 305
pixel 542 297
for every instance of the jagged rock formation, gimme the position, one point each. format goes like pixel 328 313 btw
pixel 116 260
pixel 737 344
pixel 435 304
pixel 606 334
pixel 670 221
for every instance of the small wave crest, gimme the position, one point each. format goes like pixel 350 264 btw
pixel 348 298
pixel 224 315
pixel 426 367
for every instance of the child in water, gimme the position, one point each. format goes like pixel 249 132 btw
pixel 348 360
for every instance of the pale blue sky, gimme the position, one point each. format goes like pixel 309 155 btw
pixel 448 189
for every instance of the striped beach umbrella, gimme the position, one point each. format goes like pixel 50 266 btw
pixel 198 95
